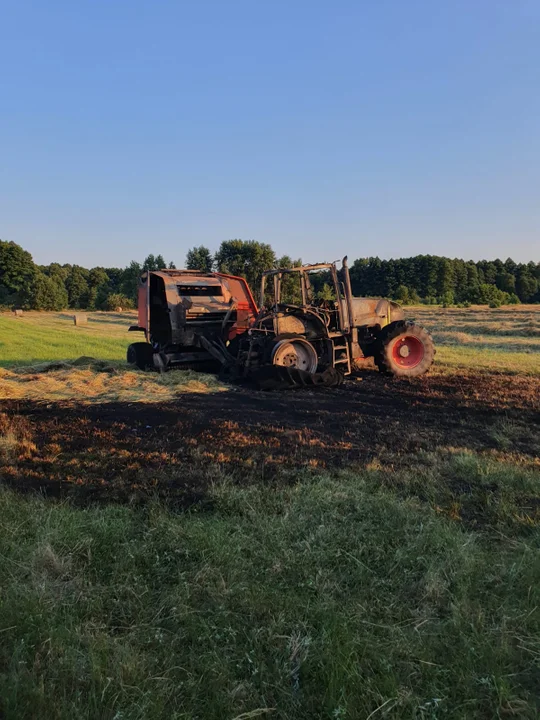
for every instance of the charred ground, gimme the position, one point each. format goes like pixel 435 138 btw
pixel 123 451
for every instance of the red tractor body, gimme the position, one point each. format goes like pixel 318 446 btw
pixel 181 311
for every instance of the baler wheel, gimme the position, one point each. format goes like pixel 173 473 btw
pixel 405 350
pixel 141 355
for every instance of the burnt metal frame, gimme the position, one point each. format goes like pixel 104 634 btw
pixel 345 318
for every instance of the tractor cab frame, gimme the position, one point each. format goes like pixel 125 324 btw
pixel 343 330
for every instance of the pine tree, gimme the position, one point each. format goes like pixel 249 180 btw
pixel 526 286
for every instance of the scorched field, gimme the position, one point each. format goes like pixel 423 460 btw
pixel 174 547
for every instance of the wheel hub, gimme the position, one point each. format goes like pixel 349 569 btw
pixel 297 353
pixel 404 350
pixel 289 360
pixel 408 351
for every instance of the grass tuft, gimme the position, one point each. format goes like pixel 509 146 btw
pixel 15 440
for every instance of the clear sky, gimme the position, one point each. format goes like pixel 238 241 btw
pixel 367 127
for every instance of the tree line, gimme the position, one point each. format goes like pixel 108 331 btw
pixel 58 287
pixel 423 278
pixel 433 279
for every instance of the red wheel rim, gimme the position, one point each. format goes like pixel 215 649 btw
pixel 408 351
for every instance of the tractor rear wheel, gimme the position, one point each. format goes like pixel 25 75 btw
pixel 295 353
pixel 405 350
pixel 141 355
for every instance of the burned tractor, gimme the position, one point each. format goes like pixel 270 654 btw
pixel 296 334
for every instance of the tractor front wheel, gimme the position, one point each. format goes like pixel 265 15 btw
pixel 405 350
pixel 141 355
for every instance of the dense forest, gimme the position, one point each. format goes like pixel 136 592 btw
pixel 424 278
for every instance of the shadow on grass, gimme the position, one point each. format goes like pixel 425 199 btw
pixel 114 318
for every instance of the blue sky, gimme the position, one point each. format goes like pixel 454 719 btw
pixel 387 127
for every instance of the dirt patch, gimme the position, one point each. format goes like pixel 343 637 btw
pixel 132 450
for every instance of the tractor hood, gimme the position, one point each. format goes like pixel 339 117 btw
pixel 375 311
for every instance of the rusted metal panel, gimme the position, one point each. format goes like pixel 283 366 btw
pixel 186 303
pixel 290 324
pixel 141 304
pixel 370 312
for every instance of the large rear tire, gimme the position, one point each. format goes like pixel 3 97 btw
pixel 295 353
pixel 405 350
pixel 141 355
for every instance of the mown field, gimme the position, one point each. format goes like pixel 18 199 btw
pixel 44 356
pixel 176 548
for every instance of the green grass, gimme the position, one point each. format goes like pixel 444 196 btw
pixel 37 350
pixel 335 598
pixel 495 340
pixel 44 337
pixel 455 357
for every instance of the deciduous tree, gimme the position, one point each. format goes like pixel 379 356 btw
pixel 199 258
pixel 16 267
pixel 247 258
pixel 77 286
